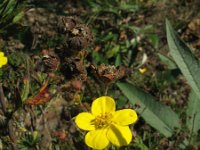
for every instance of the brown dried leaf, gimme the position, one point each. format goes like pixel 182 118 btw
pixel 42 97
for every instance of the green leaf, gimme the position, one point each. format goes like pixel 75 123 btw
pixel 16 58
pixel 9 7
pixel 138 143
pixel 154 39
pixel 156 114
pixel 193 113
pixel 18 17
pixel 128 7
pixel 118 60
pixel 112 52
pixel 99 58
pixel 108 37
pixel 171 64
pixel 184 58
pixel 25 90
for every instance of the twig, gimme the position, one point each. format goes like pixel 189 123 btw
pixel 11 135
pixel 106 89
pixel 2 99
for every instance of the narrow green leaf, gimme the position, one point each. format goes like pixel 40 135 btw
pixel 18 17
pixel 193 113
pixel 25 90
pixel 184 58
pixel 10 7
pixel 128 7
pixel 118 60
pixel 3 7
pixel 156 114
pixel 138 143
pixel 171 64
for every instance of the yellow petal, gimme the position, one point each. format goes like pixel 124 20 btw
pixel 3 60
pixel 142 70
pixel 97 139
pixel 102 105
pixel 1 54
pixel 83 121
pixel 119 135
pixel 125 117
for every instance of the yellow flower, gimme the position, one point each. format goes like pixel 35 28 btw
pixel 3 59
pixel 106 125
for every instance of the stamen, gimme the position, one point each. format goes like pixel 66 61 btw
pixel 102 121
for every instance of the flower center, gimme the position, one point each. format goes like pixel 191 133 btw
pixel 103 120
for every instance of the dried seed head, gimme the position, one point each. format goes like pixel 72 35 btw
pixel 77 36
pixel 109 73
pixel 50 60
